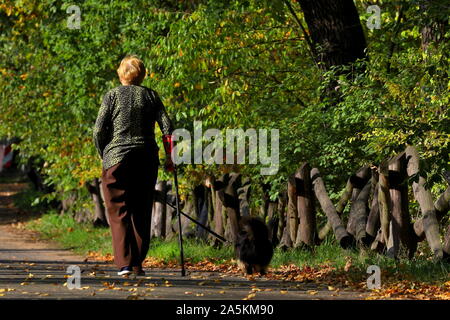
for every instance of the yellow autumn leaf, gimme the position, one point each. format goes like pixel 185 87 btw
pixel 250 296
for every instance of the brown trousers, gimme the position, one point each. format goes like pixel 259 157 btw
pixel 128 189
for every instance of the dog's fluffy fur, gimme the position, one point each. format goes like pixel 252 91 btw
pixel 253 249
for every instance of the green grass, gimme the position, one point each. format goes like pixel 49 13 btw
pixel 79 237
pixel 83 238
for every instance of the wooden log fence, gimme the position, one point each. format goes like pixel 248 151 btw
pixel 378 217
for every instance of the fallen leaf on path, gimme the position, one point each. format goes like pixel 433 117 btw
pixel 348 265
pixel 250 296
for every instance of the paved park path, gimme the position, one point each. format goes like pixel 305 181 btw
pixel 31 268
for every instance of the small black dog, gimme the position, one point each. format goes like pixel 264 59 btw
pixel 253 249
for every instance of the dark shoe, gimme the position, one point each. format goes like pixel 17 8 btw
pixel 124 271
pixel 138 271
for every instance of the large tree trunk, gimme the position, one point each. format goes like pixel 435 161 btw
pixel 433 29
pixel 307 233
pixel 344 239
pixel 335 28
pixel 425 200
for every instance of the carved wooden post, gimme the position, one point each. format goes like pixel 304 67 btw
pixel 343 238
pixel 307 232
pixel 384 202
pixel 358 180
pixel 158 227
pixel 425 200
pixel 292 214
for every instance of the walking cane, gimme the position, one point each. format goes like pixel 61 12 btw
pixel 180 232
pixel 168 146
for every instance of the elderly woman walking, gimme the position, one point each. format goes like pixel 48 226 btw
pixel 125 140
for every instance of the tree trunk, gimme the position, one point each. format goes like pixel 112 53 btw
pixel 344 239
pixel 433 30
pixel 307 232
pixel 425 200
pixel 334 26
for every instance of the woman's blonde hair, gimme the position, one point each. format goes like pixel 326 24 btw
pixel 131 70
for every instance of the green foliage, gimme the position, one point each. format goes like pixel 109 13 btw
pixel 233 64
